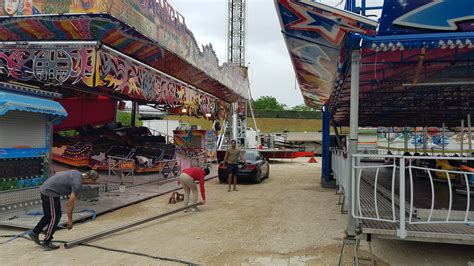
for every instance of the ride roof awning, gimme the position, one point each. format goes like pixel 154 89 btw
pixel 415 71
pixel 10 101
pixel 315 35
pixel 151 32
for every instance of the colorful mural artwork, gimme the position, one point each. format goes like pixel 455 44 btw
pixel 49 66
pixel 426 16
pixel 315 34
pixel 139 81
pixel 104 69
pixel 153 21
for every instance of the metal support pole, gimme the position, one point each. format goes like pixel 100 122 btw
pixel 326 179
pixel 50 147
pixel 462 138
pixel 402 233
pixel 443 133
pixel 133 121
pixel 469 132
pixel 416 146
pixel 388 139
pixel 79 241
pixel 253 116
pixel 425 139
pixel 167 131
pixel 338 137
pixel 354 134
pixel 405 139
pixel 234 123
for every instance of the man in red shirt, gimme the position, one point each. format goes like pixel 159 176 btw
pixel 187 179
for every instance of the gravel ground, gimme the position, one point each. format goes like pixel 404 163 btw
pixel 288 219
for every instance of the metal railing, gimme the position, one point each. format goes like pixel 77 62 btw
pixel 382 193
pixel 120 167
pixel 340 168
pixel 459 177
pixel 365 210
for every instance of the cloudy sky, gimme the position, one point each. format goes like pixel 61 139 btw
pixel 270 69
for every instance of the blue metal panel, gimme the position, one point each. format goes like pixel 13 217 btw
pixel 17 102
pixel 426 16
pixel 10 153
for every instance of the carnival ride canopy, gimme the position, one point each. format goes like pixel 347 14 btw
pixel 415 68
pixel 11 100
pixel 127 49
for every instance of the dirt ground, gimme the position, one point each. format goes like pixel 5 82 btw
pixel 288 219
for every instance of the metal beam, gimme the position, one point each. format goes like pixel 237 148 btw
pixel 90 238
pixel 354 134
pixel 469 131
pixel 431 84
pixel 462 138
pixel 133 121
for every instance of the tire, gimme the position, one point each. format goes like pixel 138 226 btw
pixel 268 172
pixel 258 177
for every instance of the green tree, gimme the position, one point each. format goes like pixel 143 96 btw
pixel 126 119
pixel 302 108
pixel 268 103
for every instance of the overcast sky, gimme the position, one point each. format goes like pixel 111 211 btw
pixel 270 68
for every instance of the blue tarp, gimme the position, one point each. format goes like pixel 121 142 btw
pixel 18 102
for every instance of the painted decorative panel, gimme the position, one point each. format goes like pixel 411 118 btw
pixel 315 34
pixel 426 16
pixel 49 66
pixel 154 19
pixel 140 82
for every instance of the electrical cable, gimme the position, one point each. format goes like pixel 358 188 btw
pixel 139 254
pixel 13 237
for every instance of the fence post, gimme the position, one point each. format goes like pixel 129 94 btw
pixel 402 233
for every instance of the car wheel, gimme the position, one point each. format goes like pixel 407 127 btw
pixel 258 177
pixel 268 173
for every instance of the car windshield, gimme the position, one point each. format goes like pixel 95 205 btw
pixel 250 156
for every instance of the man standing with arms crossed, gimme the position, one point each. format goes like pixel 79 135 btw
pixel 231 159
pixel 61 184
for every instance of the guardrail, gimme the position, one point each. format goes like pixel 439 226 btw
pixel 340 168
pixel 459 177
pixel 396 200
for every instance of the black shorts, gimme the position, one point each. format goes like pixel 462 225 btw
pixel 232 169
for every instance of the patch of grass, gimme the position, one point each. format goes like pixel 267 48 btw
pixel 265 125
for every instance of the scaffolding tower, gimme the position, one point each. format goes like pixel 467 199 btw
pixel 236 56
